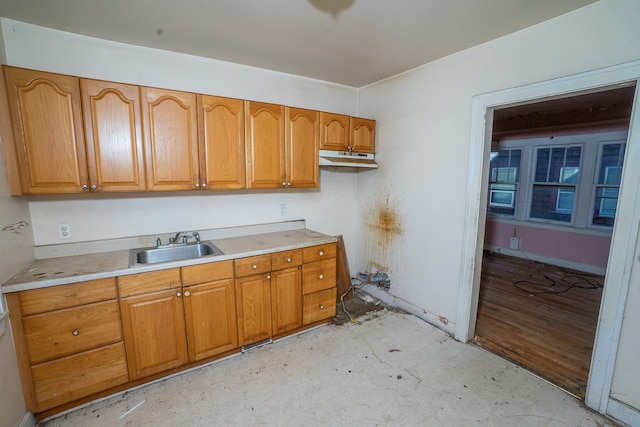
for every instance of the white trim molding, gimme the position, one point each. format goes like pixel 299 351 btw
pixel 623 245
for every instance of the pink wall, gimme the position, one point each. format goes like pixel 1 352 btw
pixel 573 247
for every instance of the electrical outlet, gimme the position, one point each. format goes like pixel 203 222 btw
pixel 514 243
pixel 64 231
pixel 283 209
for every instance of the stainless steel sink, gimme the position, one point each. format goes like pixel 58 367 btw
pixel 171 252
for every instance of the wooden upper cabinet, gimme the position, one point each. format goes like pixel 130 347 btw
pixel 363 135
pixel 221 133
pixel 114 138
pixel 171 139
pixel 334 132
pixel 47 123
pixel 302 145
pixel 264 127
pixel 343 133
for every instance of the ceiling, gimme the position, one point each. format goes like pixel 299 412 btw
pixel 351 42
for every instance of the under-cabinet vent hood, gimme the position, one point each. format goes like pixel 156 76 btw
pixel 348 159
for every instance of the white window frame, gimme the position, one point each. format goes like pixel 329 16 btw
pixel 591 144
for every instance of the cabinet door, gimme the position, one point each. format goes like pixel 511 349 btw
pixel 210 316
pixel 253 297
pixel 302 145
pixel 114 138
pixel 222 160
pixel 47 125
pixel 154 332
pixel 286 300
pixel 363 135
pixel 264 125
pixel 334 132
pixel 171 139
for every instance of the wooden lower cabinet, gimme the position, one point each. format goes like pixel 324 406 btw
pixel 210 309
pixel 73 377
pixel 154 332
pixel 78 340
pixel 69 342
pixel 253 295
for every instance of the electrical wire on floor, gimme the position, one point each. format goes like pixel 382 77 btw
pixel 357 284
pixel 565 284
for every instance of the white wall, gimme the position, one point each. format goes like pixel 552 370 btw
pixel 93 217
pixel 424 128
pixel 17 253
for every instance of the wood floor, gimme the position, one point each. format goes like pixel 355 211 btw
pixel 539 316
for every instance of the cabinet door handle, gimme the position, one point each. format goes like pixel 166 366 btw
pixel 179 294
pixel 75 333
pixel 187 293
pixel 84 186
pixel 197 185
pixel 204 185
pixel 321 253
pixel 269 277
pixel 321 276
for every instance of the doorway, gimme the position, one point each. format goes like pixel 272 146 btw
pixel 548 230
pixel 623 243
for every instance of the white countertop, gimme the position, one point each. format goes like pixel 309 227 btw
pixel 78 268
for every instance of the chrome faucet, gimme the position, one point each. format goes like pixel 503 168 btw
pixel 174 240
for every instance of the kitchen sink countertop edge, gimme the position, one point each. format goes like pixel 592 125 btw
pixel 80 268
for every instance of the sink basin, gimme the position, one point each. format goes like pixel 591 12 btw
pixel 166 253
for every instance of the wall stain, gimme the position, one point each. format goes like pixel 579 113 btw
pixel 383 227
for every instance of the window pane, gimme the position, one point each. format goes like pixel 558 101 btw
pixel 611 164
pixel 605 206
pixel 552 202
pixel 542 165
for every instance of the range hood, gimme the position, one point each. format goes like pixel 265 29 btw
pixel 347 159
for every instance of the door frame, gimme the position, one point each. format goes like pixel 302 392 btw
pixel 623 243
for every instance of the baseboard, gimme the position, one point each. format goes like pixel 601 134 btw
pixel 622 412
pixel 593 269
pixel 28 420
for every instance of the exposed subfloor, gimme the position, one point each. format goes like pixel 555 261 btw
pixel 388 368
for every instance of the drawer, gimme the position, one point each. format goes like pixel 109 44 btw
pixel 253 265
pixel 316 253
pixel 318 275
pixel 153 281
pixel 205 273
pixel 286 259
pixel 65 296
pixel 63 332
pixel 319 306
pixel 74 377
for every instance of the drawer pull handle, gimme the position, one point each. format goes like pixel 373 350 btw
pixel 321 253
pixel 187 293
pixel 321 276
pixel 269 277
pixel 321 306
pixel 289 260
pixel 75 333
pixel 255 266
pixel 178 294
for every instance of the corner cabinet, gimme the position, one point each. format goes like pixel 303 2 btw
pixel 47 127
pixel 69 342
pixel 171 139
